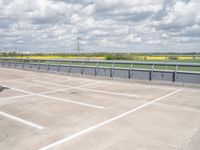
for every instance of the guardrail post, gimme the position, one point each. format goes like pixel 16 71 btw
pixel 82 67
pixel 69 71
pixel 174 76
pixel 30 67
pixel 130 71
pixel 15 63
pixel 58 67
pixel 151 73
pixel 96 69
pixel 22 65
pixel 65 68
pixel 112 70
pixel 47 67
pixel 39 66
pixel 9 64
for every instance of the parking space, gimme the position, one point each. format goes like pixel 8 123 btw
pixel 49 111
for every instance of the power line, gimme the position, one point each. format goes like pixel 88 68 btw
pixel 78 44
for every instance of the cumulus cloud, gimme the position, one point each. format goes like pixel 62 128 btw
pixel 102 25
pixel 182 14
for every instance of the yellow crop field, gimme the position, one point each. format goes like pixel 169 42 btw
pixel 184 57
pixel 61 57
pixel 115 56
pixel 154 58
pixel 141 57
pixel 40 57
pixel 162 58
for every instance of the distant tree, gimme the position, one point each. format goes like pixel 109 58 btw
pixel 172 58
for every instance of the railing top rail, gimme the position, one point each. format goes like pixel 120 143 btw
pixel 108 61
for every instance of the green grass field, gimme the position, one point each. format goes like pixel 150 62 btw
pixel 180 58
pixel 134 66
pixel 158 57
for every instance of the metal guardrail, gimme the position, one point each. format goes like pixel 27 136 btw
pixel 115 69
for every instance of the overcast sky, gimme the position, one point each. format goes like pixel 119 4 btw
pixel 102 25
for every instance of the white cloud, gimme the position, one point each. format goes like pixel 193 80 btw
pixel 101 24
pixel 182 14
pixel 133 38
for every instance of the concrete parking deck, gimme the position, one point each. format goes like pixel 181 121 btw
pixel 40 111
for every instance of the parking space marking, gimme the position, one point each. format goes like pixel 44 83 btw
pixel 21 120
pixel 61 141
pixel 23 79
pixel 106 92
pixel 71 87
pixel 23 91
pixel 60 99
pixel 53 91
pixel 91 90
pixel 55 84
pixel 73 102
pixel 136 84
pixel 16 97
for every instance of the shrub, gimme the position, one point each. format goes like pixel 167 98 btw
pixel 172 58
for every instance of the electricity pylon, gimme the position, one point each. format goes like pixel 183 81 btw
pixel 78 44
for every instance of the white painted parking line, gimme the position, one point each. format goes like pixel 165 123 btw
pixel 23 79
pixel 67 86
pixel 91 90
pixel 55 84
pixel 21 120
pixel 106 92
pixel 136 84
pixel 15 97
pixel 22 91
pixel 54 91
pixel 17 89
pixel 73 102
pixel 59 142
pixel 71 87
pixel 55 98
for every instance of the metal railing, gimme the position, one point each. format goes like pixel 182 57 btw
pixel 174 72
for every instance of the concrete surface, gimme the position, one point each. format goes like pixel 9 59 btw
pixel 40 111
